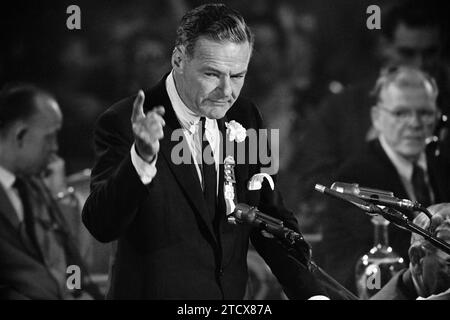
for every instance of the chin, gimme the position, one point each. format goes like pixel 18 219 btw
pixel 216 113
pixel 412 149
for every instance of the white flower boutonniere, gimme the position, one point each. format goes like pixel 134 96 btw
pixel 235 131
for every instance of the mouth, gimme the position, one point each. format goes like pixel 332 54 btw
pixel 415 138
pixel 220 102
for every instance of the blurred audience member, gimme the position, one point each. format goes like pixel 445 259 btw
pixel 404 116
pixel 428 275
pixel 410 35
pixel 36 246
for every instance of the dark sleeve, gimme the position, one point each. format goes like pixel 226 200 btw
pixel 116 189
pixel 8 293
pixel 289 264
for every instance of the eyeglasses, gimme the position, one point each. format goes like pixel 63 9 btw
pixel 427 116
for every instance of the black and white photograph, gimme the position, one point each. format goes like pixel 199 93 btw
pixel 229 156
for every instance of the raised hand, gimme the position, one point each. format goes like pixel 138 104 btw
pixel 147 128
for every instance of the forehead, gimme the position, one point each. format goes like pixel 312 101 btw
pixel 224 56
pixel 416 37
pixel 407 97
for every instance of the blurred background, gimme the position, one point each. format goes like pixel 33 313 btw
pixel 305 50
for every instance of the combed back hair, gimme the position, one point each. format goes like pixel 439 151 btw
pixel 17 102
pixel 412 13
pixel 213 21
pixel 404 77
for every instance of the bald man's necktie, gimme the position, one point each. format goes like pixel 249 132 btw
pixel 421 190
pixel 208 171
pixel 43 229
pixel 28 218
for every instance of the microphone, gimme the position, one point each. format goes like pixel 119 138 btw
pixel 388 213
pixel 380 197
pixel 252 216
pixel 363 205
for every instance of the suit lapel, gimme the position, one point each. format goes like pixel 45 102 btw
pixel 8 213
pixel 439 176
pixel 7 210
pixel 185 174
pixel 397 186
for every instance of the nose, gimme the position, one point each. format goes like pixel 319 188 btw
pixel 225 86
pixel 415 120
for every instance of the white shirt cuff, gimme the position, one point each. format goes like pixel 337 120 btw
pixel 319 297
pixel 145 170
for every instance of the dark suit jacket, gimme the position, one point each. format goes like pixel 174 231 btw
pixel 168 247
pixel 400 287
pixel 23 270
pixel 348 231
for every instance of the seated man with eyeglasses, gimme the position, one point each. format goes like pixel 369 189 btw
pixel 404 117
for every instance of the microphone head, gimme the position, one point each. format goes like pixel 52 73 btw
pixel 365 193
pixel 343 187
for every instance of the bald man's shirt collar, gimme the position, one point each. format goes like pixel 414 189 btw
pixel 404 167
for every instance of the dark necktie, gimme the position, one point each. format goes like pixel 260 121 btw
pixel 43 229
pixel 28 218
pixel 421 190
pixel 208 171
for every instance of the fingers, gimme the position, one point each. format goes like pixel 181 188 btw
pixel 147 127
pixel 157 115
pixel 138 107
pixel 440 212
pixel 159 110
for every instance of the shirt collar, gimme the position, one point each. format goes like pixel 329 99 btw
pixel 7 178
pixel 187 118
pixel 404 167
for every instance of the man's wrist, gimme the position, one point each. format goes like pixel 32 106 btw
pixel 148 159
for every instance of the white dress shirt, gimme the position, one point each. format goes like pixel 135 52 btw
pixel 7 180
pixel 404 168
pixel 190 124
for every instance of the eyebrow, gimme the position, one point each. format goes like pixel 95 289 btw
pixel 209 68
pixel 242 73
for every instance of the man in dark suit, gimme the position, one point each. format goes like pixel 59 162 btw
pixel 167 208
pixel 411 35
pixel 36 247
pixel 428 274
pixel 398 161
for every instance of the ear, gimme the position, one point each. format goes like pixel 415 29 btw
pixel 178 58
pixel 416 254
pixel 20 132
pixel 375 116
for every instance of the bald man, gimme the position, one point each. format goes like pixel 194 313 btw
pixel 35 243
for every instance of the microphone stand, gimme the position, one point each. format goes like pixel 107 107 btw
pixel 292 241
pixel 401 221
pixel 334 289
pixel 389 213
